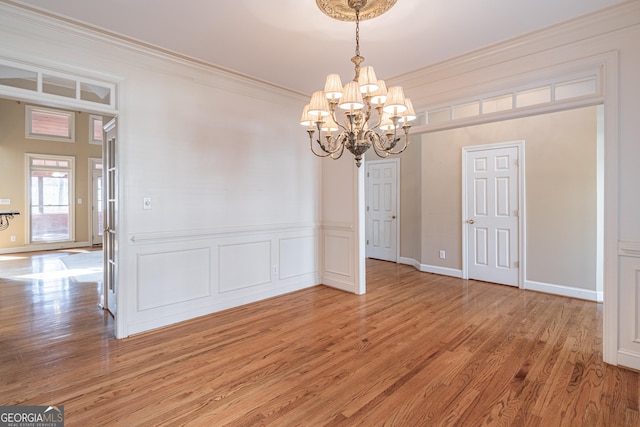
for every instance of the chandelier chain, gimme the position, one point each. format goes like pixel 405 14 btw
pixel 357 32
pixel 357 59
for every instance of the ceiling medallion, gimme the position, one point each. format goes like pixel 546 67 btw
pixel 344 10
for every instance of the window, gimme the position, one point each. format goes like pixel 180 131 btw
pixel 47 123
pixel 51 194
pixel 537 96
pixel 19 79
pixel 95 129
pixel 470 109
pixel 439 116
pixel 576 88
pixel 583 87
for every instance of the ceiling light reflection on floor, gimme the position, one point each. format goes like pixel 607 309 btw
pixel 11 257
pixel 61 274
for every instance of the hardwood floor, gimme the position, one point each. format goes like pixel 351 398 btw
pixel 417 350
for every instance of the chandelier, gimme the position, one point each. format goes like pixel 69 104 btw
pixel 362 113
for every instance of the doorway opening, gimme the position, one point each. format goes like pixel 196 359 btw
pixel 382 212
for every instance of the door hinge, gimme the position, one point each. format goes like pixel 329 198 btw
pixel 367 208
pixel 367 174
pixel 516 213
pixel 516 264
pixel 367 241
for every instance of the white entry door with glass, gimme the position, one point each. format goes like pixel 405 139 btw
pixel 51 184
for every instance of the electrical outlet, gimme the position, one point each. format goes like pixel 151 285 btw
pixel 274 269
pixel 146 203
pixel 13 238
pixel 442 255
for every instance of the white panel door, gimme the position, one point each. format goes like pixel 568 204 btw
pixel 492 215
pixel 382 210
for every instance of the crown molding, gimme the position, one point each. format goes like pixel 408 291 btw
pixel 596 24
pixel 26 15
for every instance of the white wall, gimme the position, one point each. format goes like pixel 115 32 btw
pixel 611 39
pixel 235 192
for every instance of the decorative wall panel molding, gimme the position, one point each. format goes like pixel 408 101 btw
pixel 338 261
pixel 182 275
pixel 629 249
pixel 337 257
pixel 244 265
pixel 173 277
pixel 298 256
pixel 216 233
pixel 629 344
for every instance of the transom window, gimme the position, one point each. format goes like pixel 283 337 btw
pixel 585 86
pixel 47 123
pixel 20 80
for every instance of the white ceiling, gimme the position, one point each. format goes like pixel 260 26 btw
pixel 292 44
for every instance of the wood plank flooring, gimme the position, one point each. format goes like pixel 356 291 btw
pixel 417 350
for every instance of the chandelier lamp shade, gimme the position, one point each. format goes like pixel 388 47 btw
pixel 362 113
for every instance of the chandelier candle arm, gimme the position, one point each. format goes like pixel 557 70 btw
pixel 358 101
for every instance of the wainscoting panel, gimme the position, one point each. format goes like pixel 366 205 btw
pixel 172 277
pixel 244 265
pixel 629 346
pixel 297 256
pixel 337 255
pixel 338 261
pixel 182 275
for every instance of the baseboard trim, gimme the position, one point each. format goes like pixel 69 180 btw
pixel 629 359
pixel 343 286
pixel 565 291
pixel 409 261
pixel 445 271
pixel 425 268
pixel 531 285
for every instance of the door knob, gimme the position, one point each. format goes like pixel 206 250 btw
pixel 471 221
pixel 393 217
